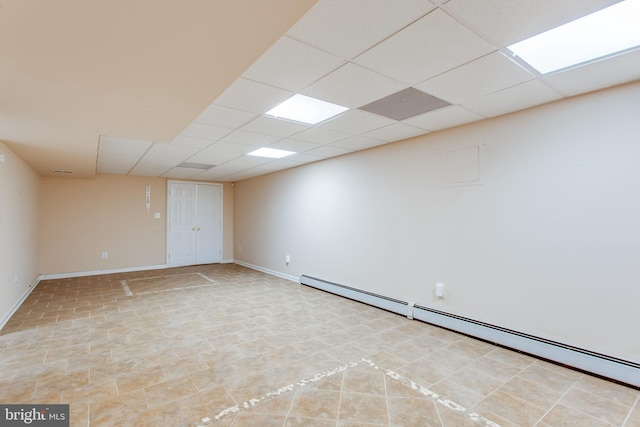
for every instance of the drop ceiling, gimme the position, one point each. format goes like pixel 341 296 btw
pixel 198 96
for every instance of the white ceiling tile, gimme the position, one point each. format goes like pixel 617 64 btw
pixel 355 122
pixel 443 118
pixel 217 115
pixel 292 65
pixel 275 127
pixel 249 138
pixel 488 74
pixel 510 21
pixel 299 159
pixel 353 86
pixel 119 155
pixel 162 157
pixel 358 143
pixel 515 98
pixel 220 152
pixel 233 166
pixel 327 151
pixel 597 75
pixel 293 145
pixel 199 130
pixel 349 27
pixel 181 173
pixel 321 135
pixel 394 132
pixel 250 96
pixel 193 142
pixel 428 47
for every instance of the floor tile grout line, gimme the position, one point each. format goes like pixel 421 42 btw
pixel 633 405
pixel 341 369
pixel 433 396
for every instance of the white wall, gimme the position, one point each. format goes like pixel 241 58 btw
pixel 547 242
pixel 18 231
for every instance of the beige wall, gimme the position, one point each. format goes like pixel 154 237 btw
pixel 81 218
pixel 18 230
pixel 547 242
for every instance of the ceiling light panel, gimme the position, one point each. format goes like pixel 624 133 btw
pixel 304 109
pixel 430 46
pixel 292 65
pixel 353 86
pixel 605 32
pixel 271 153
pixel 348 28
pixel 250 96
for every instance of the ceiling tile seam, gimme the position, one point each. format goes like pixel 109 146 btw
pixel 141 157
pixel 500 47
pixel 350 59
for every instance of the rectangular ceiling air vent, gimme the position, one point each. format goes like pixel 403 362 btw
pixel 202 166
pixel 63 171
pixel 407 103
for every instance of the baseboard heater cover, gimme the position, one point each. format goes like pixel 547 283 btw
pixel 621 370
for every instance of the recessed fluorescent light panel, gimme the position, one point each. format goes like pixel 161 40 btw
pixel 304 109
pixel 271 153
pixel 605 32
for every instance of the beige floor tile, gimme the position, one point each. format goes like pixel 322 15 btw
pixel 510 408
pixel 366 408
pixel 315 403
pixel 169 391
pixel 535 393
pixel 408 412
pixel 562 416
pixel 175 357
pixel 596 406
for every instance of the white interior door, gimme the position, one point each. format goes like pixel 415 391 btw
pixel 209 224
pixel 194 223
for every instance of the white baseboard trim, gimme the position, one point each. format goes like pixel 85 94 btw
pixel 17 305
pixel 624 371
pixel 99 272
pixel 227 261
pixel 268 271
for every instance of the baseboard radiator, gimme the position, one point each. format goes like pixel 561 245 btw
pixel 619 370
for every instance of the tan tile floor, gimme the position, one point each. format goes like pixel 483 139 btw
pixel 223 345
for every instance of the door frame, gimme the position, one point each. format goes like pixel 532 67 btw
pixel 168 215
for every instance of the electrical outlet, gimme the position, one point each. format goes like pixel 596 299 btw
pixel 105 255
